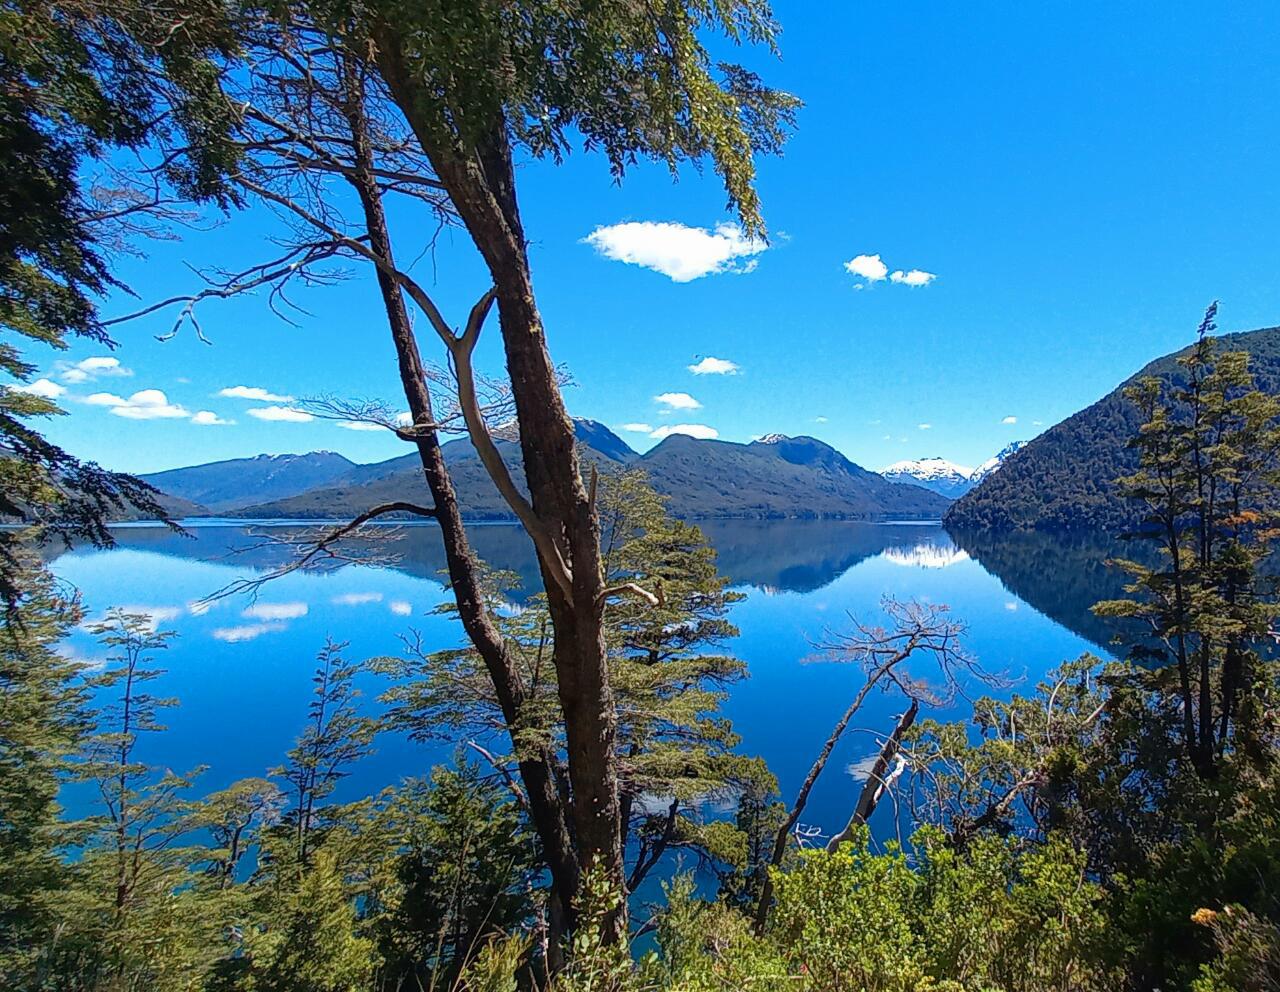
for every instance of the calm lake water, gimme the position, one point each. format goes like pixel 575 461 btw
pixel 242 670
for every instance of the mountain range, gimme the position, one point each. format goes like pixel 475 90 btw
pixel 944 477
pixel 1064 480
pixel 774 477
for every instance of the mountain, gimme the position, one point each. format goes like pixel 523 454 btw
pixel 994 462
pixel 1065 479
pixel 364 486
pixel 936 474
pixel 774 477
pixel 227 485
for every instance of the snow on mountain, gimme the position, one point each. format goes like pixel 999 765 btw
pixel 936 474
pixel 993 463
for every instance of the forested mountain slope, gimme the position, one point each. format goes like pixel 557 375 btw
pixel 1065 478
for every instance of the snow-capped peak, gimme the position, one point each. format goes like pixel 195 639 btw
pixel 772 439
pixel 994 462
pixel 928 468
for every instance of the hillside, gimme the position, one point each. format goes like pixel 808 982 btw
pixel 224 486
pixel 1065 478
pixel 774 477
pixel 363 486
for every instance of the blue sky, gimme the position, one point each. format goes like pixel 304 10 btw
pixel 1080 180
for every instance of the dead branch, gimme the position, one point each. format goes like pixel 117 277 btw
pixel 877 782
pixel 318 550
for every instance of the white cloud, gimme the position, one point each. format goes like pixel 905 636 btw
pixel 1009 420
pixel 925 427
pixel 283 414
pixel 637 428
pixel 872 268
pixel 693 430
pixel 679 252
pixel 253 393
pixel 869 267
pixel 246 632
pixel 207 418
pixel 678 401
pixel 400 607
pixel 915 277
pixel 357 598
pixel 276 611
pixel 91 368
pixel 145 404
pixel 360 425
pixel 47 388
pixel 715 366
pixel 819 420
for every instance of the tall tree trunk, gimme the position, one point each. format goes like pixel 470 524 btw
pixel 480 180
pixel 545 809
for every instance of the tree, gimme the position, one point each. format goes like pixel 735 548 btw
pixel 335 737
pixel 1209 451
pixel 675 754
pixel 79 83
pixel 476 85
pixel 884 655
pixel 43 722
pixel 461 869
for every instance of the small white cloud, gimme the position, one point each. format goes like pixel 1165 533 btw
pixel 915 277
pixel 47 388
pixel 637 428
pixel 693 430
pixel 678 401
pixel 360 425
pixel 400 607
pixel 91 368
pixel 1009 420
pixel 145 404
pixel 1037 423
pixel 357 598
pixel 246 632
pixel 925 427
pixel 281 414
pixel 105 399
pixel 679 252
pixel 715 366
pixel 253 393
pixel 868 267
pixel 276 611
pixel 207 418
pixel 819 420
pixel 1011 606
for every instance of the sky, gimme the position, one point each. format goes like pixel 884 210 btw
pixel 990 215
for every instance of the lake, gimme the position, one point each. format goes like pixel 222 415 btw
pixel 242 669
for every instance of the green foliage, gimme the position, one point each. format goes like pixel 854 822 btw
pixel 643 84
pixel 1065 479
pixel 460 871
pixel 335 737
pixel 668 676
pixel 307 939
pixel 42 725
pixel 80 82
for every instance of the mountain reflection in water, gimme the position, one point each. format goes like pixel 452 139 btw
pixel 241 667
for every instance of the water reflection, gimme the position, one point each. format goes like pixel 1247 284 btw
pixel 774 556
pixel 242 667
pixel 1060 575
